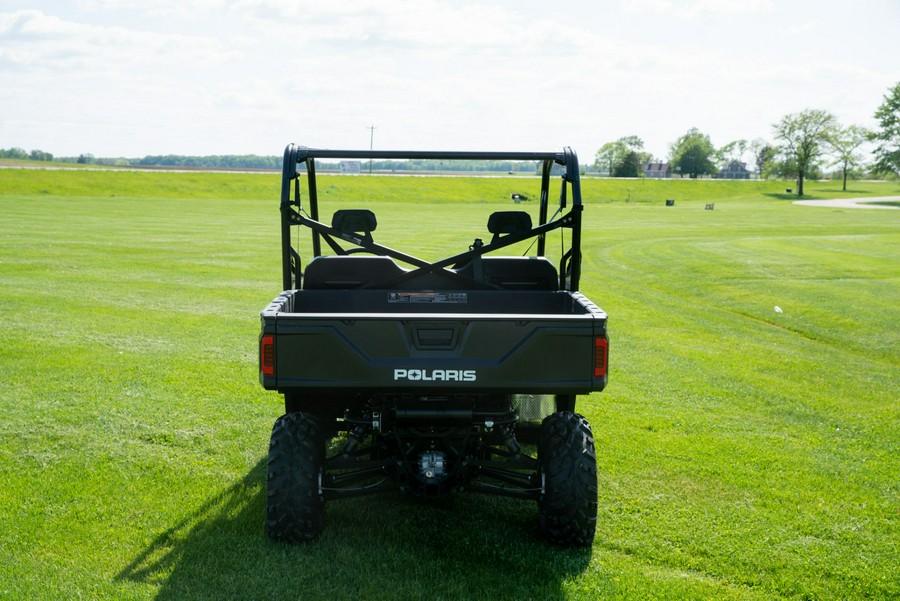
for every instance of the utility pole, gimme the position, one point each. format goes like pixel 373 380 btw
pixel 371 129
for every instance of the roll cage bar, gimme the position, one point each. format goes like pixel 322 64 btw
pixel 292 213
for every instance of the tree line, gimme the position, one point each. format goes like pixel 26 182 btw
pixel 249 161
pixel 21 154
pixel 803 144
pixel 273 162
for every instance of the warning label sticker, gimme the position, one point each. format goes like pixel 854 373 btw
pixel 433 298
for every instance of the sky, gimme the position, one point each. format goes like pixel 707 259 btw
pixel 133 78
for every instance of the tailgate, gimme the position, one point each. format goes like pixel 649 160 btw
pixel 430 352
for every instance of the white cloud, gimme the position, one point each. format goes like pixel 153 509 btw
pixel 201 77
pixel 696 8
pixel 34 40
pixel 729 7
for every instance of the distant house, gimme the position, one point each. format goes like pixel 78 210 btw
pixel 735 170
pixel 657 170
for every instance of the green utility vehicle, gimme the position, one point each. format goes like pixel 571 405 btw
pixel 434 377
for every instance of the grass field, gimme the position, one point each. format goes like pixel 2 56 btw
pixel 743 453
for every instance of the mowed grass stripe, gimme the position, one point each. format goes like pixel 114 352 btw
pixel 743 453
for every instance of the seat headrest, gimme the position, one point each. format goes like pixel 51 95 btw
pixel 509 222
pixel 354 221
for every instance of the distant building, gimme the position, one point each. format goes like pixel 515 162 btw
pixel 735 170
pixel 351 167
pixel 657 170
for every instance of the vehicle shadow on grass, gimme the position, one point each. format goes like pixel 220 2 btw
pixel 383 547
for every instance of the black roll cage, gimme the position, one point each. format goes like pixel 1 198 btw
pixel 292 214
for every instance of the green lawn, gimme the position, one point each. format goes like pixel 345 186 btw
pixel 744 453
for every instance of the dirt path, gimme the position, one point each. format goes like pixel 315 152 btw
pixel 852 203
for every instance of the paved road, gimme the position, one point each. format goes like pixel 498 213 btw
pixel 852 203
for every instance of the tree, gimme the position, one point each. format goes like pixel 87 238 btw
pixel 733 151
pixel 887 153
pixel 608 155
pixel 14 153
pixel 803 136
pixel 844 142
pixel 692 153
pixel 613 154
pixel 632 142
pixel 629 166
pixel 763 154
pixel 40 155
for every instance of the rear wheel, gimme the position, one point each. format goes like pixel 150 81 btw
pixel 568 468
pixel 295 507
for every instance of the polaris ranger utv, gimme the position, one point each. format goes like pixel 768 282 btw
pixel 432 376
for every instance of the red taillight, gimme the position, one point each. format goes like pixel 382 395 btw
pixel 601 348
pixel 267 355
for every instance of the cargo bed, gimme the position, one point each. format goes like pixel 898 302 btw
pixel 376 340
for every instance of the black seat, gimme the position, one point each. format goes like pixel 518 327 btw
pixel 343 272
pixel 355 221
pixel 511 273
pixel 514 273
